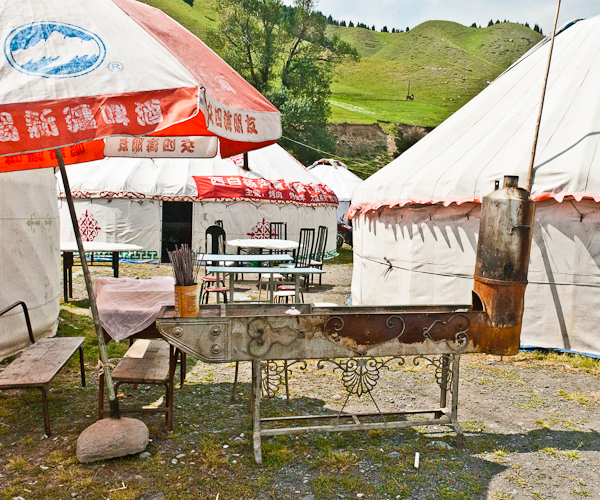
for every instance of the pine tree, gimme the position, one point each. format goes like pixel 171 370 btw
pixel 474 25
pixel 491 23
pixel 407 30
pixel 393 30
pixel 343 23
pixel 350 24
pixel 527 25
pixel 373 28
pixel 384 29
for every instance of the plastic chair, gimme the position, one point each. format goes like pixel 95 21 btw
pixel 320 245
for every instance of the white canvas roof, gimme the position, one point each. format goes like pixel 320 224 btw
pixel 168 177
pixel 492 135
pixel 336 175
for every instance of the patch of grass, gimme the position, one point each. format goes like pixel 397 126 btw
pixel 580 397
pixel 572 455
pixel 327 486
pixel 578 492
pixel 543 424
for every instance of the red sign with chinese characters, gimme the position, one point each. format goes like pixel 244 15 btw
pixel 236 187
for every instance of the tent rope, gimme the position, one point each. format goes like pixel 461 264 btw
pixel 390 267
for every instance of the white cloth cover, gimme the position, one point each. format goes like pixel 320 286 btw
pixel 336 175
pixel 433 249
pixel 492 135
pixel 121 198
pixel 127 306
pixel 29 256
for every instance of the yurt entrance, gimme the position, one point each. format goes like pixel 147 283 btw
pixel 176 226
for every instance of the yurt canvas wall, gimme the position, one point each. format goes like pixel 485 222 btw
pixel 125 200
pixel 29 256
pixel 416 220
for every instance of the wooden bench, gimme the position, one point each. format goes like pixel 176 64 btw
pixel 146 362
pixel 39 363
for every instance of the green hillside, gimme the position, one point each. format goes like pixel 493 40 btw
pixel 447 64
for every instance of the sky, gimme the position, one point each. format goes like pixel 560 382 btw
pixel 401 14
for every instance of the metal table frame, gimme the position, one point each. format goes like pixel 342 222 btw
pixel 298 272
pixel 446 376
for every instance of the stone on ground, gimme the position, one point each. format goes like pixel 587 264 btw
pixel 111 438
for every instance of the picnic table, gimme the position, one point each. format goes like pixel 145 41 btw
pixel 128 309
pixel 297 272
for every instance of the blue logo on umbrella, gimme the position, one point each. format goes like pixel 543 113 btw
pixel 53 50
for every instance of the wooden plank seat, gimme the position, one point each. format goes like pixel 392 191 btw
pixel 40 362
pixel 151 362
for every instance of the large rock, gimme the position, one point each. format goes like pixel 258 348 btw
pixel 110 438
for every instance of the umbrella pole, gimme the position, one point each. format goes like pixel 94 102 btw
pixel 539 118
pixel 114 402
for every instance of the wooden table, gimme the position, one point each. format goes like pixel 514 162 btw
pixel 297 272
pixel 68 248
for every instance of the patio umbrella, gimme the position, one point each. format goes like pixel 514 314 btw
pixel 74 72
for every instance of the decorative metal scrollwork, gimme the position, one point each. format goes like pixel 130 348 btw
pixel 359 375
pixel 275 375
pixel 263 337
pixel 443 369
pixel 460 324
pixel 272 377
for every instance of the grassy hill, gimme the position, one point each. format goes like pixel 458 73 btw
pixel 447 64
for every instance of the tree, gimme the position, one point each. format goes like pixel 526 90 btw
pixel 384 29
pixel 393 30
pixel 474 25
pixel 343 23
pixel 350 24
pixel 407 30
pixel 497 21
pixel 527 25
pixel 491 23
pixel 287 55
pixel 373 28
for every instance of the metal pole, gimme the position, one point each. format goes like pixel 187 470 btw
pixel 114 403
pixel 539 118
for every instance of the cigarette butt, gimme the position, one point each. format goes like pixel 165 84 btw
pixel 417 460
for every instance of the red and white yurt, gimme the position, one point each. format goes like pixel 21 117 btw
pixel 416 220
pixel 157 203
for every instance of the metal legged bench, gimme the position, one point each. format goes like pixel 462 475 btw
pixel 39 363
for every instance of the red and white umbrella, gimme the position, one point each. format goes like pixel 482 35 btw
pixel 75 71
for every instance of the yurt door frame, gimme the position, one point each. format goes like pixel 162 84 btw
pixel 176 226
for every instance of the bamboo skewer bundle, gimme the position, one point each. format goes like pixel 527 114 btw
pixel 185 266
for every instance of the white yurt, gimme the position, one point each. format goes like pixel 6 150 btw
pixel 335 174
pixel 416 220
pixel 29 256
pixel 158 203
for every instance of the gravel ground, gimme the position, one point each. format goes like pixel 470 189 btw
pixel 531 425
